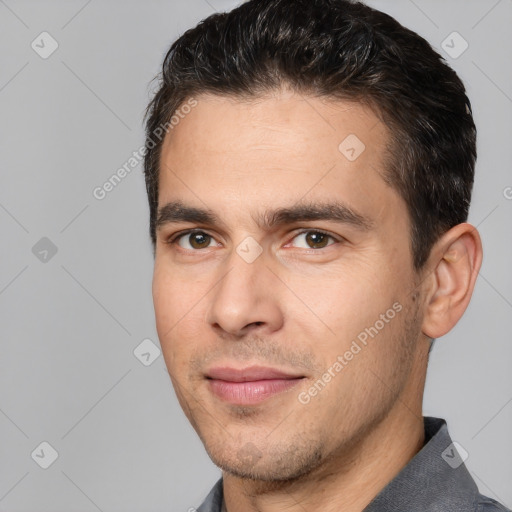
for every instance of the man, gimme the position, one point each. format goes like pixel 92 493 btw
pixel 309 169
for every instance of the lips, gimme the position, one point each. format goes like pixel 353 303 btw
pixel 250 385
pixel 251 373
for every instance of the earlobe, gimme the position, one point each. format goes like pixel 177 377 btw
pixel 455 262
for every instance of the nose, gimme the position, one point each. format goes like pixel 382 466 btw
pixel 246 298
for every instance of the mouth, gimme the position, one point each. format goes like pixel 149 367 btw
pixel 249 386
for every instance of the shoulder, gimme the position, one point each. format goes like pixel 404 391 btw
pixel 486 504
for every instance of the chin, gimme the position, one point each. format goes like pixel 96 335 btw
pixel 249 463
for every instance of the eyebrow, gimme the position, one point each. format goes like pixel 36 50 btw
pixel 177 211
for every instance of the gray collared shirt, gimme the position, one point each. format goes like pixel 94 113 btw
pixel 435 480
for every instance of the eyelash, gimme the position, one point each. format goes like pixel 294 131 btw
pixel 173 239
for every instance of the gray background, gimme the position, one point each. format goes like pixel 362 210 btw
pixel 70 323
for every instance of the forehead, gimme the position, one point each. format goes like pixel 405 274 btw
pixel 279 148
pixel 283 122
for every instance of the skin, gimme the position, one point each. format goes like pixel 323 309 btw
pixel 298 306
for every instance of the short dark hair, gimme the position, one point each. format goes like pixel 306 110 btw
pixel 344 50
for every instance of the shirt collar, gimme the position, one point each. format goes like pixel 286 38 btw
pixel 434 479
pixel 214 501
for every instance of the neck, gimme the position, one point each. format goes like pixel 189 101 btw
pixel 349 481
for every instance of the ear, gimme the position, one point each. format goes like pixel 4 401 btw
pixel 454 264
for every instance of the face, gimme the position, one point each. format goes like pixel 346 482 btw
pixel 283 279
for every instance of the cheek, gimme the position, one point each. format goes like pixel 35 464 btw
pixel 342 299
pixel 356 315
pixel 169 308
pixel 173 298
pixel 164 301
pixel 179 316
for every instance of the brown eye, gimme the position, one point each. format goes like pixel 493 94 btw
pixel 313 240
pixel 199 240
pixel 193 240
pixel 317 240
